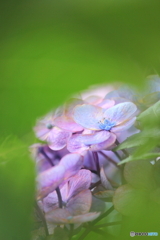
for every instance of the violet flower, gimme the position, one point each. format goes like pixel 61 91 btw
pixel 102 124
pixel 77 200
pixel 46 130
pixel 58 171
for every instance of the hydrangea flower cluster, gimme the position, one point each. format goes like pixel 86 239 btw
pixel 77 169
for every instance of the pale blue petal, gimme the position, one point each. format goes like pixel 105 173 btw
pixel 105 145
pixel 88 116
pixel 124 126
pixel 120 113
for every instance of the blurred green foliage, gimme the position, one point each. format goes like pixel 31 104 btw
pixel 16 190
pixel 50 50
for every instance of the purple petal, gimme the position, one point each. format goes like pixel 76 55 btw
pixel 62 216
pixel 67 123
pixel 51 201
pixel 82 142
pixel 120 113
pixel 75 144
pixel 106 103
pixel 95 100
pixel 124 125
pixel 79 182
pixel 80 204
pixel 49 180
pixel 88 116
pixel 86 217
pixel 58 138
pixel 107 144
pixel 105 182
pixel 58 216
pixel 89 162
pixel 72 163
pixel 44 126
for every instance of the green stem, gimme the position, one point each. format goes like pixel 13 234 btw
pixel 87 231
pixel 107 224
pixel 123 150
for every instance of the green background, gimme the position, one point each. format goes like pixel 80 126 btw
pixel 50 50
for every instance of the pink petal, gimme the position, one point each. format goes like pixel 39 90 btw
pixel 72 163
pixel 95 100
pixel 51 201
pixel 105 145
pixel 106 103
pixel 62 216
pixel 79 182
pixel 105 182
pixel 41 129
pixel 57 138
pixel 86 217
pixel 80 204
pixel 49 180
pixel 82 142
pixel 67 123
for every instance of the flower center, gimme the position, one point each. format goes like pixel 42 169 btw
pixel 106 124
pixel 49 126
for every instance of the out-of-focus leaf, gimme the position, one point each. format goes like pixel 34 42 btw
pixel 147 156
pixel 104 194
pixel 140 139
pixel 10 147
pixel 129 201
pixel 17 190
pixel 139 174
pixel 150 117
pixel 115 229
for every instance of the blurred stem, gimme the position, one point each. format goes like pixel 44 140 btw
pixel 123 150
pixel 59 197
pixel 118 156
pixel 41 215
pixel 99 231
pixel 96 160
pixel 107 224
pixel 104 225
pixel 87 231
pixel 95 185
pixel 41 150
pixel 109 159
